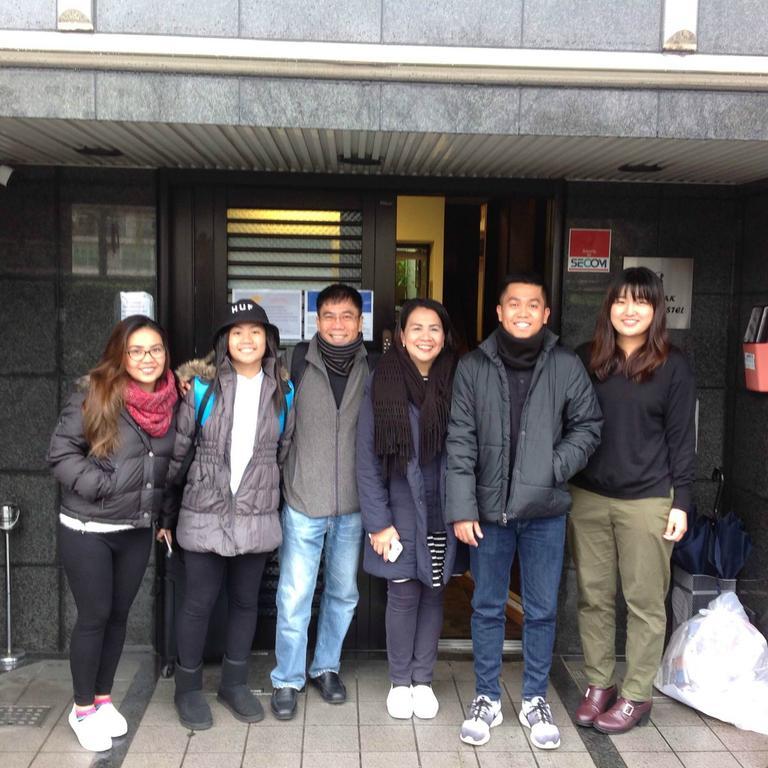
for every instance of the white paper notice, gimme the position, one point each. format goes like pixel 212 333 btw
pixel 136 303
pixel 283 308
pixel 677 276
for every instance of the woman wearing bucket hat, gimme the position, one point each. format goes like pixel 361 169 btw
pixel 228 522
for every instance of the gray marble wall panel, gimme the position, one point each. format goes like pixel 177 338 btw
pixel 304 104
pixel 587 112
pixel 593 25
pixel 28 14
pixel 733 26
pixel 34 606
pixel 33 541
pixel 710 115
pixel 47 93
pixel 754 269
pixel 331 20
pixel 27 426
pixel 209 18
pixel 450 108
pixel 28 224
pixel 30 309
pixel 496 23
pixel 167 98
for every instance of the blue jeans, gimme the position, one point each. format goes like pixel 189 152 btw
pixel 540 544
pixel 305 539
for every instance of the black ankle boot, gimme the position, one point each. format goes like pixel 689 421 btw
pixel 193 709
pixel 235 694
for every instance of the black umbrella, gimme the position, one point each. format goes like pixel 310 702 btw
pixel 732 546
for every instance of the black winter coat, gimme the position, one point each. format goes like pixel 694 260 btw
pixel 400 502
pixel 123 489
pixel 559 430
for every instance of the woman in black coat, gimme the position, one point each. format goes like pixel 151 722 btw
pixel 110 453
pixel 401 482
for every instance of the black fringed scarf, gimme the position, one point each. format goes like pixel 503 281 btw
pixel 339 359
pixel 396 382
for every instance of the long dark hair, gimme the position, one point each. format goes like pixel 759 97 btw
pixel 107 380
pixel 221 353
pixel 396 380
pixel 606 357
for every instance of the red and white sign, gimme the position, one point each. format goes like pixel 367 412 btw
pixel 589 250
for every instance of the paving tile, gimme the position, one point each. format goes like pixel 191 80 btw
pixel 389 738
pixel 313 695
pixel 151 737
pixel 447 760
pixel 372 689
pixel 209 759
pixel 320 712
pixel 47 692
pixel 272 760
pixel 61 739
pixel 152 760
pixel 668 712
pixel 331 760
pixel 752 759
pixel 384 760
pixel 62 760
pixel 691 738
pixel 462 670
pixel 270 738
pixel 375 713
pixel 331 738
pixel 651 760
pixel 17 759
pixel 161 713
pixel 564 760
pixel 642 739
pixel 708 760
pixel 737 740
pixel 506 760
pixel 435 738
pixel 219 739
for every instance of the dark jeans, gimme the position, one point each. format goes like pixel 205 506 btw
pixel 104 571
pixel 205 572
pixel 414 619
pixel 539 544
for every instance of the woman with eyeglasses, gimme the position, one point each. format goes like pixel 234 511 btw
pixel 110 452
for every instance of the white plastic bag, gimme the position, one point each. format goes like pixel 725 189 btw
pixel 717 663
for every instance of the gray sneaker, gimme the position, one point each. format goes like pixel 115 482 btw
pixel 482 715
pixel 536 715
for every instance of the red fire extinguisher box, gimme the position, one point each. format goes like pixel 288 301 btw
pixel 756 366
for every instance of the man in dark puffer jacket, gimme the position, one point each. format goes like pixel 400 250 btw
pixel 524 419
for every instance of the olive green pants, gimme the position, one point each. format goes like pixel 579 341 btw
pixel 611 537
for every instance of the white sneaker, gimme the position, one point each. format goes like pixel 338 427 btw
pixel 113 721
pixel 90 732
pixel 425 703
pixel 400 702
pixel 536 715
pixel 482 715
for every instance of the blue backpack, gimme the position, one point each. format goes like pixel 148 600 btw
pixel 202 387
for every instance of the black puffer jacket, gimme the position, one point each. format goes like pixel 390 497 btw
pixel 124 489
pixel 559 430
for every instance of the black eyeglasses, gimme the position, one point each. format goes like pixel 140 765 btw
pixel 139 353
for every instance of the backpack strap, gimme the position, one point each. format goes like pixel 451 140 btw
pixel 203 402
pixel 287 404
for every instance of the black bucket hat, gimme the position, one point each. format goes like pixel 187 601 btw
pixel 245 311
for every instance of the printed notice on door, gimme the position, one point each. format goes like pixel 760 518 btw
pixel 283 308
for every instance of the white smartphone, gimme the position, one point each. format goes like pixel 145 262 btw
pixel 395 550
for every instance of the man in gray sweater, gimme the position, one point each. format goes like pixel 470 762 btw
pixel 322 512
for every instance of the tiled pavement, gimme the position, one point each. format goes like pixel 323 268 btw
pixel 358 733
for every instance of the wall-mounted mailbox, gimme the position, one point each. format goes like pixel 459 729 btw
pixel 756 366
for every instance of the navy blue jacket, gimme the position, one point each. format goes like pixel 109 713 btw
pixel 400 502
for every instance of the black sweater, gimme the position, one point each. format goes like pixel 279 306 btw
pixel 648 439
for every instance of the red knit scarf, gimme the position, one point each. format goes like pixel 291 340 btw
pixel 152 411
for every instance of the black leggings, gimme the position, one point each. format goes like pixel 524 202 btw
pixel 205 572
pixel 104 571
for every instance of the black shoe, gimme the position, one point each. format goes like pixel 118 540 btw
pixel 235 694
pixel 330 686
pixel 193 709
pixel 283 703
